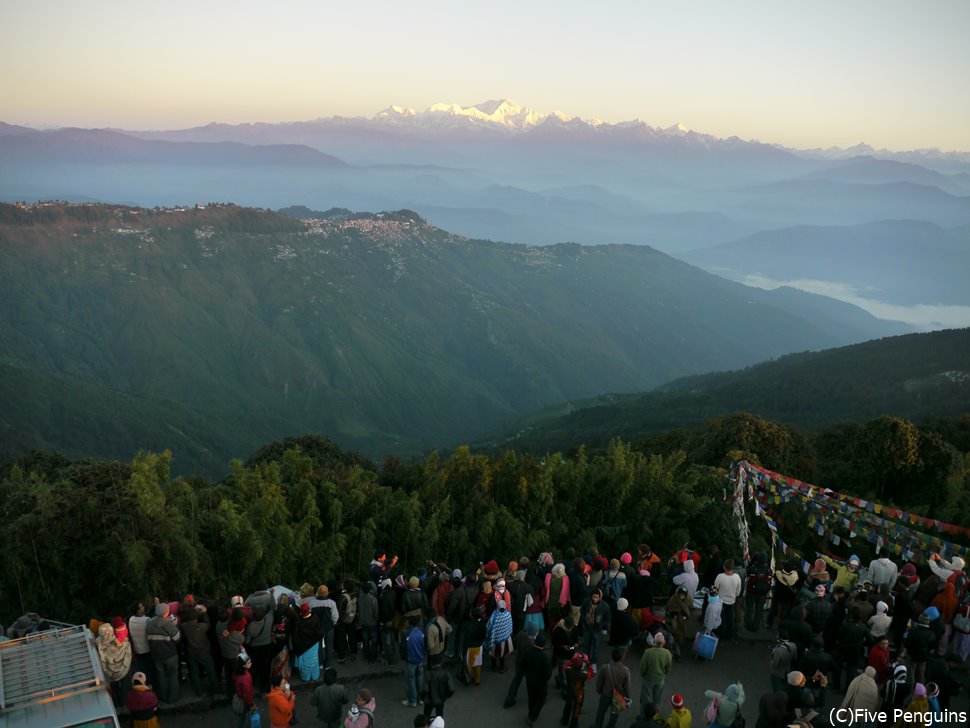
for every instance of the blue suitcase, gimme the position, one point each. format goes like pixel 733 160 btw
pixel 705 645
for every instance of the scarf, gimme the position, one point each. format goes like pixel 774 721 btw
pixel 115 655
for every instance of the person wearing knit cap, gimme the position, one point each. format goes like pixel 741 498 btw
pixel 897 692
pixel 307 634
pixel 847 574
pixel 414 602
pixel 577 671
pixel 623 628
pixel 679 713
pixel 141 703
pixel 163 638
pixel 914 711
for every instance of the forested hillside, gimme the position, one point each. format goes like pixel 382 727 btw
pixel 210 330
pixel 913 376
pixel 304 510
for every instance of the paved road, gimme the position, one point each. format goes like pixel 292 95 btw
pixel 481 707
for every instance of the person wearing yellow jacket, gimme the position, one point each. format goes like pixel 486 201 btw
pixel 680 714
pixel 846 575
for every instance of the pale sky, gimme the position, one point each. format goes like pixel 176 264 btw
pixel 891 73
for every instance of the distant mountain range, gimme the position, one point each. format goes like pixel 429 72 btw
pixel 211 330
pixel 896 261
pixel 500 171
pixel 913 376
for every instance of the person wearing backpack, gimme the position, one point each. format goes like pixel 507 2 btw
pixel 783 657
pixel 345 631
pixel 412 653
pixel 613 680
pixel 361 713
pixel 759 584
pixel 724 708
pixel 436 634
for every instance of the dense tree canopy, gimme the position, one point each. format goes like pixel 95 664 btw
pixel 89 537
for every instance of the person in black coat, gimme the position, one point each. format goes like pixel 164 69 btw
pixel 537 670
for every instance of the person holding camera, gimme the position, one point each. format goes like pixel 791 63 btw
pixel 282 701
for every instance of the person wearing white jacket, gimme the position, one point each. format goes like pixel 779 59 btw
pixel 945 569
pixel 688 579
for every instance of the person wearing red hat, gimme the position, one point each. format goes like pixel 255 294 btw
pixel 679 714
pixel 306 637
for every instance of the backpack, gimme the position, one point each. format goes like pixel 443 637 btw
pixel 758 583
pixel 434 644
pixel 961 620
pixel 348 609
pixel 710 712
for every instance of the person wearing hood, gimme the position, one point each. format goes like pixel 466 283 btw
pixel 847 574
pixel 688 579
pixel 677 615
pixel 784 595
pixel 915 709
pixel 863 692
pixel 880 622
pixel 361 713
pixel 306 639
pixel 142 703
pixel 729 708
pixel 114 649
pixel 897 690
pixel 576 672
pixel 950 572
pixel 819 611
pixel 819 575
pixel 498 636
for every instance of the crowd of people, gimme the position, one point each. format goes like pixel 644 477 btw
pixel 888 636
